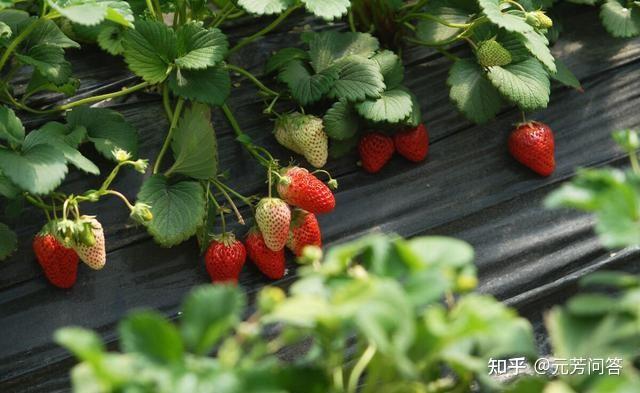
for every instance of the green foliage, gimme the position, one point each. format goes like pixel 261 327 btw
pixel 612 194
pixel 92 12
pixel 8 241
pixel 621 19
pixel 379 314
pixel 326 9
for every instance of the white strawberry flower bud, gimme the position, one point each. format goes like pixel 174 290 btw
pixel 141 213
pixel 141 165
pixel 121 155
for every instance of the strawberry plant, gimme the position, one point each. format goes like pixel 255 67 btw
pixel 612 194
pixel 379 314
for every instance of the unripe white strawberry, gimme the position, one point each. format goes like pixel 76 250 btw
pixel 93 252
pixel 308 134
pixel 273 218
pixel 283 135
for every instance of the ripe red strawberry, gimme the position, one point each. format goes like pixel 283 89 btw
pixel 273 217
pixel 375 149
pixel 92 253
pixel 269 262
pixel 300 188
pixel 533 146
pixel 412 144
pixel 224 258
pixel 304 231
pixel 60 264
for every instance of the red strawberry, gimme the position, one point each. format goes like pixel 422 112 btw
pixel 413 144
pixel 304 231
pixel 300 188
pixel 224 259
pixel 60 264
pixel 270 263
pixel 93 252
pixel 533 146
pixel 375 150
pixel 273 217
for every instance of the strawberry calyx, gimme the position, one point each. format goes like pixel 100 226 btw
pixel 226 238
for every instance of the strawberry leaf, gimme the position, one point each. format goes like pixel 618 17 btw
pixel 150 335
pixel 565 76
pixel 508 21
pixel 341 121
pixel 199 48
pixel 620 20
pixel 211 85
pixel 283 57
pixel 48 33
pixel 327 9
pixel 178 208
pixel 49 61
pixel 434 32
pixel 110 39
pixel 359 78
pixel 307 88
pixel 472 92
pixel 7 188
pixel 392 106
pixel 38 169
pixel 107 129
pixel 11 128
pixel 8 241
pixel 265 7
pixel 538 46
pixel 391 68
pixel 525 84
pixel 92 12
pixel 39 82
pixel 194 145
pixel 330 46
pixel 149 50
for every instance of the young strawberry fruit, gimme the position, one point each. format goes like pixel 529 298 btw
pixel 375 149
pixel 300 188
pixel 224 258
pixel 60 264
pixel 491 53
pixel 282 133
pixel 273 217
pixel 304 231
pixel 270 263
pixel 92 252
pixel 307 133
pixel 412 144
pixel 533 146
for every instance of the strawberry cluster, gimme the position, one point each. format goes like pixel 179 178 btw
pixel 285 222
pixel 376 148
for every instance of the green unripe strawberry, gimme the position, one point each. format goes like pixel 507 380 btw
pixel 539 20
pixel 304 134
pixel 283 134
pixel 491 53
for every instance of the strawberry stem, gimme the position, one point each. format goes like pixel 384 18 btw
pixel 244 199
pixel 169 137
pixel 265 30
pixel 228 198
pixel 220 210
pixel 245 139
pixel 253 79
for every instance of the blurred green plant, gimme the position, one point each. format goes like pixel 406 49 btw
pixel 379 314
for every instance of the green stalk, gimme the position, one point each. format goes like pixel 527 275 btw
pixel 236 128
pixel 233 205
pixel 166 102
pixel 14 44
pixel 359 368
pixel 124 91
pixel 151 10
pixel 253 79
pixel 264 31
pixel 167 140
pixel 634 162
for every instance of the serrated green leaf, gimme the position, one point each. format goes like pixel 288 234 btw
pixel 433 32
pixel 341 121
pixel 47 32
pixel 359 78
pixel 178 209
pixel 110 39
pixel 620 21
pixel 508 21
pixel 150 49
pixel 209 312
pixel 305 87
pixel 39 82
pixel 415 117
pixel 39 169
pixel 526 84
pixel 538 46
pixel 194 145
pixel 13 18
pixel 106 128
pixel 283 57
pixel 327 47
pixel 392 106
pixel 391 68
pixel 7 188
pixel 92 12
pixel 8 241
pixel 265 7
pixel 472 92
pixel 211 85
pixel 49 61
pixel 150 335
pixel 327 9
pixel 199 48
pixel 565 76
pixel 11 128
pixel 53 134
